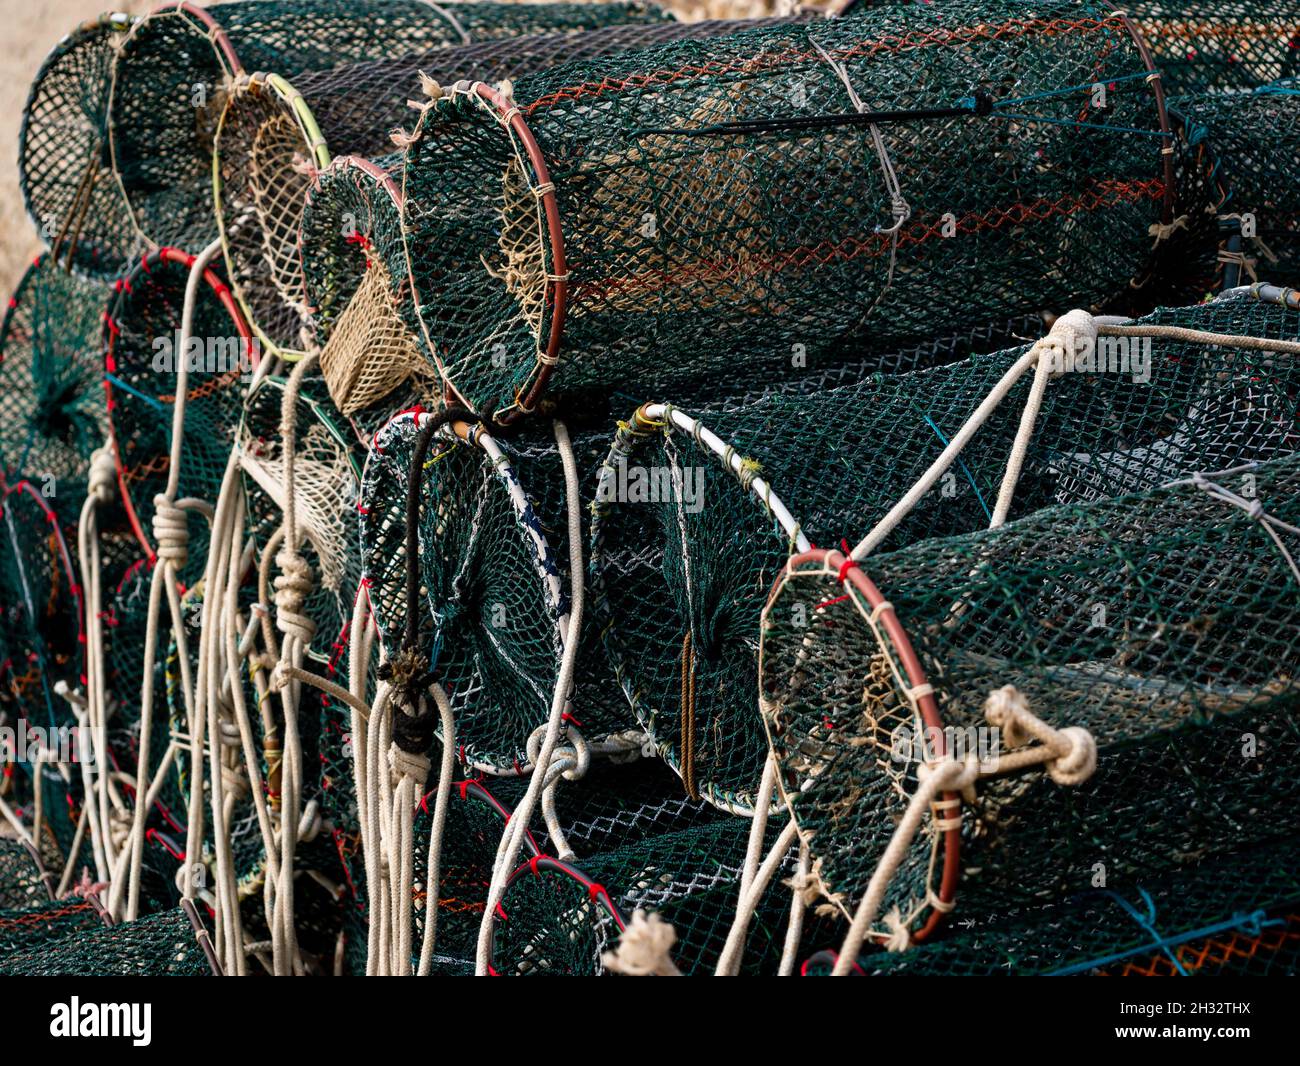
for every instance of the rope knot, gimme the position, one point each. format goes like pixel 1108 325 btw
pixel 1073 334
pixel 644 948
pixel 1005 708
pixel 292 587
pixel 412 765
pixel 1079 760
pixel 171 532
pixel 102 477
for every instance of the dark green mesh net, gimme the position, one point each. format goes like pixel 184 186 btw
pixel 29 928
pixel 41 641
pixel 52 413
pixel 63 159
pixel 22 881
pixel 273 134
pixel 160 945
pixel 728 201
pixel 559 918
pixel 1163 622
pixel 178 65
pixel 1229 914
pixel 142 360
pixel 683 556
pixel 1242 217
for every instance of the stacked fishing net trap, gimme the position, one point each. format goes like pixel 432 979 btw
pixel 568 489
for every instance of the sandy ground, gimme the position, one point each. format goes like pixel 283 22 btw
pixel 33 27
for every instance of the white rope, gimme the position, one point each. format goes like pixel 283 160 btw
pixel 513 838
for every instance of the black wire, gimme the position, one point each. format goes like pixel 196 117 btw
pixel 981 104
pixel 411 637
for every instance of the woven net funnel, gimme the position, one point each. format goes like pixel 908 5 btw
pixel 63 160
pixel 1226 914
pixel 696 514
pixel 170 944
pixel 648 195
pixel 1242 216
pixel 178 65
pixel 52 413
pixel 143 355
pixel 1163 623
pixel 494 575
pixel 274 134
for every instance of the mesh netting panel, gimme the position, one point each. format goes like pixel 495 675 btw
pixel 558 918
pixel 1230 914
pixel 723 198
pixel 327 473
pixel 63 160
pixel 51 401
pixel 1237 193
pixel 22 885
pixel 28 928
pixel 141 366
pixel 272 134
pixel 1235 44
pixel 176 67
pixel 1135 618
pixel 676 607
pixel 160 945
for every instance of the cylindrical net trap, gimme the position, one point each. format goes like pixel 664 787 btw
pixel 64 168
pixel 273 133
pixel 145 353
pixel 695 514
pixel 744 207
pixel 1160 624
pixel 51 406
pixel 494 582
pixel 178 64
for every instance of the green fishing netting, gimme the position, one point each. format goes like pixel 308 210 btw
pixel 52 412
pixel 177 66
pixel 494 578
pixel 64 168
pixel 42 643
pixel 1238 193
pixel 684 555
pixel 1232 44
pixel 22 881
pixel 143 356
pixel 28 928
pixel 274 133
pixel 1230 914
pixel 558 918
pixel 1163 622
pixel 747 206
pixel 160 945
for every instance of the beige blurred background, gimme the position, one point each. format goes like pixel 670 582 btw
pixel 33 27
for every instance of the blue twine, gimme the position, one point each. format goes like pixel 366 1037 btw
pixel 962 463
pixel 119 383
